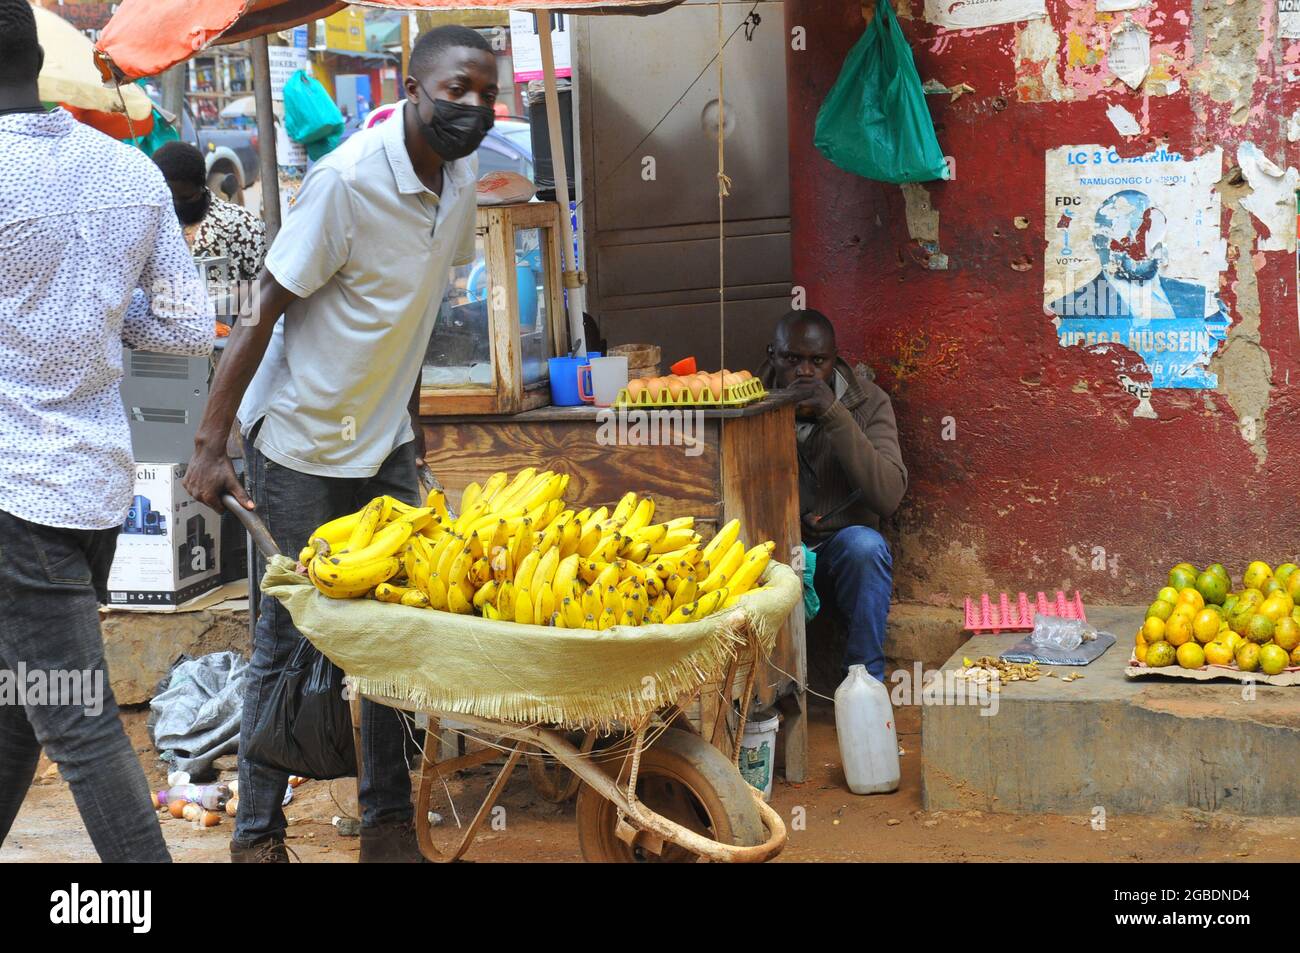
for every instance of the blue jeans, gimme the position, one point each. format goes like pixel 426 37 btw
pixel 51 584
pixel 292 505
pixel 854 579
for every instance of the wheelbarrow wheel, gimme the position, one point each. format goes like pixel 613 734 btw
pixel 688 781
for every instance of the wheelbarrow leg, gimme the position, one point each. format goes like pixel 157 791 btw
pixel 485 808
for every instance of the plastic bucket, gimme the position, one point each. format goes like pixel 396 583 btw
pixel 758 752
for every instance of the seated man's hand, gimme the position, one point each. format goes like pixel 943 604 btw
pixel 815 396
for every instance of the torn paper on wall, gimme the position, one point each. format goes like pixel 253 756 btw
pixel 1133 259
pixel 1115 6
pixel 1288 19
pixel 964 14
pixel 1125 122
pixel 1272 199
pixel 1129 57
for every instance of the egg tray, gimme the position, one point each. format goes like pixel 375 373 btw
pixel 738 395
pixel 1018 616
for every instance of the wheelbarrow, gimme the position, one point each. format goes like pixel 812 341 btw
pixel 651 784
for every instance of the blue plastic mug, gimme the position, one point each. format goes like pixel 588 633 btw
pixel 564 379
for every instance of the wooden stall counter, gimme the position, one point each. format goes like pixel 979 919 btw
pixel 714 464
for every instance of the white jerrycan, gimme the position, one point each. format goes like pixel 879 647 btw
pixel 864 722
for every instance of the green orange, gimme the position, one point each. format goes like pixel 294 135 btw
pixel 1212 587
pixel 1272 659
pixel 1182 576
pixel 1260 629
pixel 1160 654
pixel 1160 609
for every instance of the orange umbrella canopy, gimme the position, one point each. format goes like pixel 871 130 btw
pixel 145 37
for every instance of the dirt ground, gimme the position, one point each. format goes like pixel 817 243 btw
pixel 839 826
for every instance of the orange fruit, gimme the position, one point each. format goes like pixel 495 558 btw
pixel 1293 586
pixel 1206 625
pixel 1189 596
pixel 1260 629
pixel 1160 609
pixel 1216 653
pixel 1256 574
pixel 1153 629
pixel 1140 653
pixel 1160 654
pixel 1178 630
pixel 1283 572
pixel 1286 633
pixel 1248 657
pixel 1190 655
pixel 1250 596
pixel 1212 587
pixel 1273 658
pixel 1295 656
pixel 1168 594
pixel 1273 609
pixel 1241 620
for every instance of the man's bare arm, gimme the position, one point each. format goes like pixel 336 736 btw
pixel 210 473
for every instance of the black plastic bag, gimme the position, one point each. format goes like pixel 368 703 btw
pixel 306 725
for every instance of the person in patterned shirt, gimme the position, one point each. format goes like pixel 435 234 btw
pixel 212 228
pixel 91 258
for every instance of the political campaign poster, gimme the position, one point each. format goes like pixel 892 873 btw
pixel 1134 254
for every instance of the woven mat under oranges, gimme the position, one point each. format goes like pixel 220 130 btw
pixel 527 674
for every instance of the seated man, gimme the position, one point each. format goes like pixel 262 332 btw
pixel 851 477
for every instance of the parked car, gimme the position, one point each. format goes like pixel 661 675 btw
pixel 229 151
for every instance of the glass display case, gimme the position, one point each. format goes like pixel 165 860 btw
pixel 501 319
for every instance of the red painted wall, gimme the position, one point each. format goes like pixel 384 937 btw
pixel 1048 460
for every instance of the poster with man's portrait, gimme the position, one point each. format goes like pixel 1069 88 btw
pixel 1134 254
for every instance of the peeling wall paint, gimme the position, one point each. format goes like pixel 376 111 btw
pixel 1059 450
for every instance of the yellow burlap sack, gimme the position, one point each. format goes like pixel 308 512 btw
pixel 527 674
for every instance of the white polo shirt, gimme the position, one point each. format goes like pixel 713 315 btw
pixel 369 251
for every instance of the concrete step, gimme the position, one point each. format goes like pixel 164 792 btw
pixel 1107 742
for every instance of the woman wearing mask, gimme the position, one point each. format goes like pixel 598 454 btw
pixel 212 228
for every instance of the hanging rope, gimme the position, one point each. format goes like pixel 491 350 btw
pixel 724 189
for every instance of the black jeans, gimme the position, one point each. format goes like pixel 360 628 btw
pixel 51 584
pixel 292 505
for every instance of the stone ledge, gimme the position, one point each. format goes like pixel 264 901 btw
pixel 140 647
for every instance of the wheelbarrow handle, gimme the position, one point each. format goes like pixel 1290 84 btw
pixel 257 530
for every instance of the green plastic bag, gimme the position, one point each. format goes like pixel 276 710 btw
pixel 161 134
pixel 310 115
pixel 875 121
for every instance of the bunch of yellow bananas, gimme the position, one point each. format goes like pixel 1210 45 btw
pixel 517 553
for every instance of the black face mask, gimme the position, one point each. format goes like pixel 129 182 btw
pixel 195 210
pixel 456 129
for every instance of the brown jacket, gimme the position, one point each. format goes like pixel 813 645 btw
pixel 852 447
